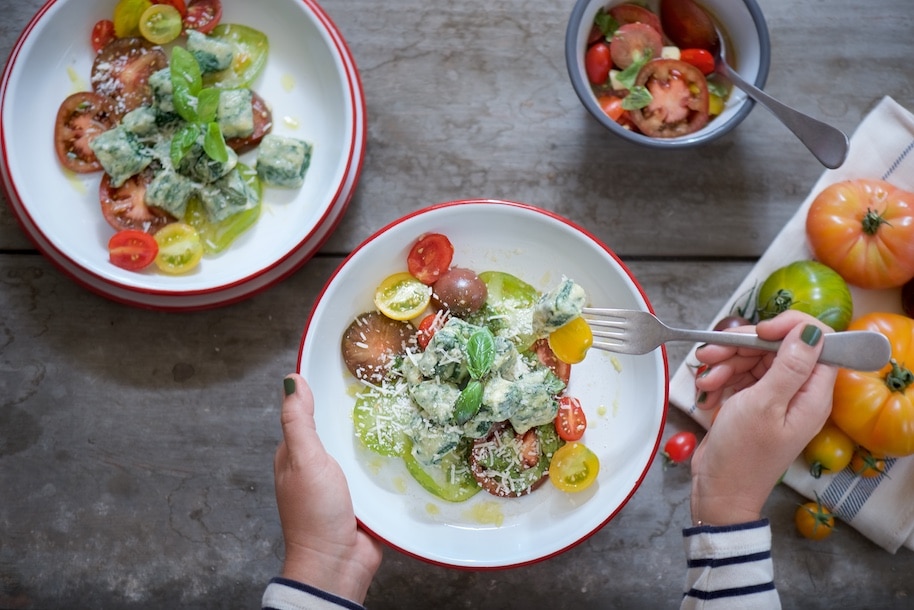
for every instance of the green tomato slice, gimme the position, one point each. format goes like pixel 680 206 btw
pixel 508 309
pixel 217 236
pixel 381 420
pixel 251 48
pixel 450 479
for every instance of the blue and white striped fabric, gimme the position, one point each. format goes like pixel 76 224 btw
pixel 881 508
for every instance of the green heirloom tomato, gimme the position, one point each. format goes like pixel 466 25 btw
pixel 250 47
pixel 810 287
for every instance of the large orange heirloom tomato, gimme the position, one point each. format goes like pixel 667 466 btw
pixel 876 409
pixel 864 230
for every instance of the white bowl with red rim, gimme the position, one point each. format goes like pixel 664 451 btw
pixel 624 397
pixel 313 88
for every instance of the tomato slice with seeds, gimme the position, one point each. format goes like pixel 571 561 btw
pixel 121 71
pixel 574 467
pixel 132 250
pixel 102 34
pixel 161 23
pixel 680 99
pixel 80 119
pixel 125 207
pixel 371 343
pixel 429 326
pixel 180 248
pixel 548 358
pixel 203 15
pixel 635 42
pixel 632 13
pixel 263 124
pixel 430 257
pixel 570 421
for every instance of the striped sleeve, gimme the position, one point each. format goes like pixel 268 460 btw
pixel 285 594
pixel 729 567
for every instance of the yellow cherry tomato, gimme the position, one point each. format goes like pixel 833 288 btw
pixel 180 248
pixel 402 297
pixel 865 464
pixel 829 451
pixel 570 342
pixel 574 467
pixel 160 23
pixel 814 521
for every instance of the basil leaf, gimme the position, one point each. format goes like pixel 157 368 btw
pixel 207 104
pixel 182 141
pixel 638 97
pixel 468 402
pixel 185 71
pixel 628 76
pixel 480 353
pixel 606 23
pixel 214 143
pixel 185 103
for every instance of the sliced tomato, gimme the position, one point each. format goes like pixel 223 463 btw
pixel 102 34
pixel 428 327
pixel 680 99
pixel 430 257
pixel 570 342
pixel 507 464
pixel 80 118
pixel 180 248
pixel 263 124
pixel 612 106
pixel 371 343
pixel 570 421
pixel 402 297
pixel 632 13
pixel 700 58
pixel 574 467
pixel 178 4
pixel 250 50
pixel 127 15
pixel 125 207
pixel 635 42
pixel 132 250
pixel 548 358
pixel 160 24
pixel 203 15
pixel 121 71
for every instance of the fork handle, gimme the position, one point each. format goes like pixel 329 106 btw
pixel 861 350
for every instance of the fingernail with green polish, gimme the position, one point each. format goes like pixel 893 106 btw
pixel 702 396
pixel 288 384
pixel 811 334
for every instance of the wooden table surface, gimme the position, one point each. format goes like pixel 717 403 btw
pixel 136 446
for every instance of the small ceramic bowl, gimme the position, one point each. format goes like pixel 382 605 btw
pixel 624 397
pixel 748 52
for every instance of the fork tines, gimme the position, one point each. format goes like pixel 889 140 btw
pixel 610 325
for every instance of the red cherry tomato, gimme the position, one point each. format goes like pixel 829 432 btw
pixel 428 327
pixel 700 58
pixel 430 257
pixel 597 63
pixel 203 15
pixel 570 421
pixel 612 106
pixel 102 34
pixel 548 358
pixel 132 250
pixel 679 447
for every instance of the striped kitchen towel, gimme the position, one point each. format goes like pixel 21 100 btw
pixel 881 508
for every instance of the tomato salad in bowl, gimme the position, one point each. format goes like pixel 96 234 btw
pixel 166 129
pixel 642 71
pixel 403 407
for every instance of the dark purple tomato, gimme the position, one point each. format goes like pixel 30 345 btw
pixel 459 291
pixel 371 343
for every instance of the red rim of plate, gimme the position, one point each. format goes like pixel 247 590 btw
pixel 237 290
pixel 632 278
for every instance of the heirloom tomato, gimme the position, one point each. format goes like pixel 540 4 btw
pixel 814 521
pixel 876 408
pixel 810 287
pixel 864 230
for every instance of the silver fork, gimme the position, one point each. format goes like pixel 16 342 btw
pixel 628 331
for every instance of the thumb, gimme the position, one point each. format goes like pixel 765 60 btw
pixel 297 417
pixel 792 366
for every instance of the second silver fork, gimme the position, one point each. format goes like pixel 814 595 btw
pixel 629 331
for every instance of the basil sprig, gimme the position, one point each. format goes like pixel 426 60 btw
pixel 480 357
pixel 196 104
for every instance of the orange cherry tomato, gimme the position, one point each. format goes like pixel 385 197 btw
pixel 865 464
pixel 612 106
pixel 814 521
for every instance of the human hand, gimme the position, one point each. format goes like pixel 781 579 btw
pixel 325 547
pixel 779 402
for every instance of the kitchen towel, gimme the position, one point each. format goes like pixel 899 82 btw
pixel 881 508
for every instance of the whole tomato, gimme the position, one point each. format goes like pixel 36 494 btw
pixel 876 409
pixel 829 451
pixel 810 287
pixel 864 230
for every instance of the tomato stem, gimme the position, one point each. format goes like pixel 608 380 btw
pixel 872 220
pixel 899 378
